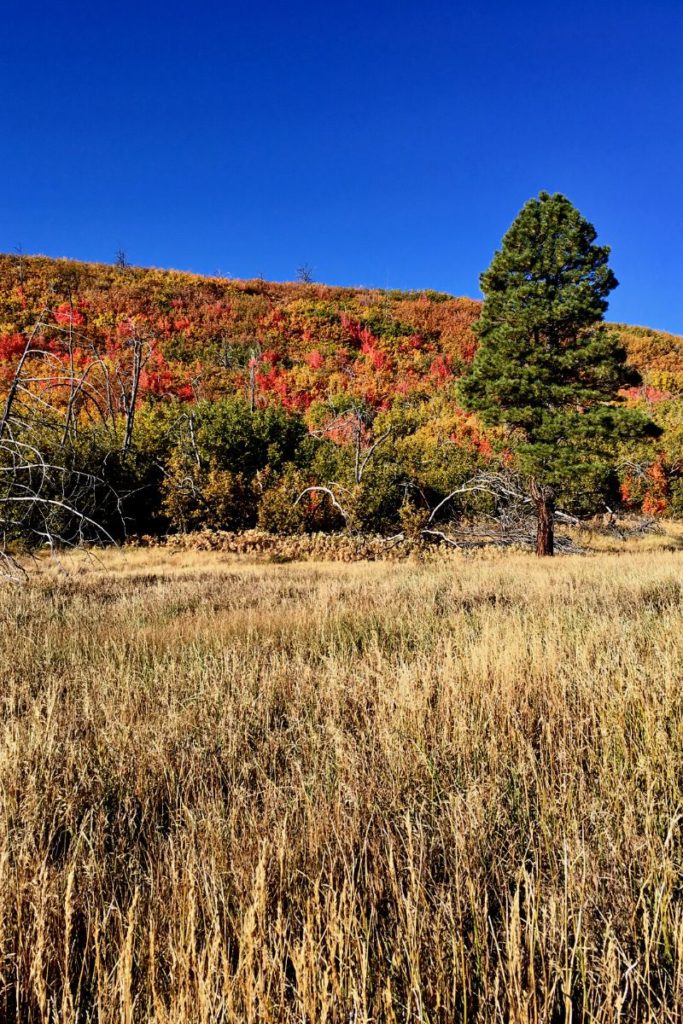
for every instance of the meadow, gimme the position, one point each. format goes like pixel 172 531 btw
pixel 233 790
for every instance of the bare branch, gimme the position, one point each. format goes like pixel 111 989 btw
pixel 371 451
pixel 330 494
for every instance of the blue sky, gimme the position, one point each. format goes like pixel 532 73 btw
pixel 383 143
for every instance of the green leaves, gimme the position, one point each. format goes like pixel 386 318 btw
pixel 549 276
pixel 232 437
pixel 547 368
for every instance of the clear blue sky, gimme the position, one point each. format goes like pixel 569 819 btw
pixel 383 143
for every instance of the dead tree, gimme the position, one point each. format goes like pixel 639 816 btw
pixel 45 498
pixel 512 519
pixel 354 424
pixel 139 347
pixel 304 273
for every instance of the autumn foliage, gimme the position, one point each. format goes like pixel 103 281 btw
pixel 351 363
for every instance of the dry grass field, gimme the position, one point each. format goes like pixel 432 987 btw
pixel 241 792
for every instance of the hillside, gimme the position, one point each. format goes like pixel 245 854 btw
pixel 307 340
pixel 115 337
pixel 302 341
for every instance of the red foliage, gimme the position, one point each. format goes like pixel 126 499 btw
pixel 358 334
pixel 626 491
pixel 440 370
pixel 651 492
pixel 314 359
pixel 647 393
pixel 469 350
pixel 11 346
pixel 379 360
pixel 67 314
pixel 269 380
pixel 653 506
pixel 317 343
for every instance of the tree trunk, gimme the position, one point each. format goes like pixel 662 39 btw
pixel 544 499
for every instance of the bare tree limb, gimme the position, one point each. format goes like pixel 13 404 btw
pixel 330 494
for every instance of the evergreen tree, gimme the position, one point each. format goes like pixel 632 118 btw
pixel 547 368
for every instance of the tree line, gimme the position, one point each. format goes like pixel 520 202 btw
pixel 141 402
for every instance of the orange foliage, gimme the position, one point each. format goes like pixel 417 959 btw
pixel 295 344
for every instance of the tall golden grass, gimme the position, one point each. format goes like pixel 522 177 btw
pixel 343 793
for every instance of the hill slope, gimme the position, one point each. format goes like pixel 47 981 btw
pixel 401 340
pixel 301 340
pixel 312 349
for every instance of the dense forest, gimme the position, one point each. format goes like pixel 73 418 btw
pixel 141 401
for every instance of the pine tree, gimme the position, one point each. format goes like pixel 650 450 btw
pixel 547 368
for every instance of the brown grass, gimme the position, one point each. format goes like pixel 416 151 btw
pixel 342 793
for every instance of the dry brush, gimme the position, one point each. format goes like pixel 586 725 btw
pixel 369 792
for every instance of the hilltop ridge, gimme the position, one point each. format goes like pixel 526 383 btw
pixel 199 317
